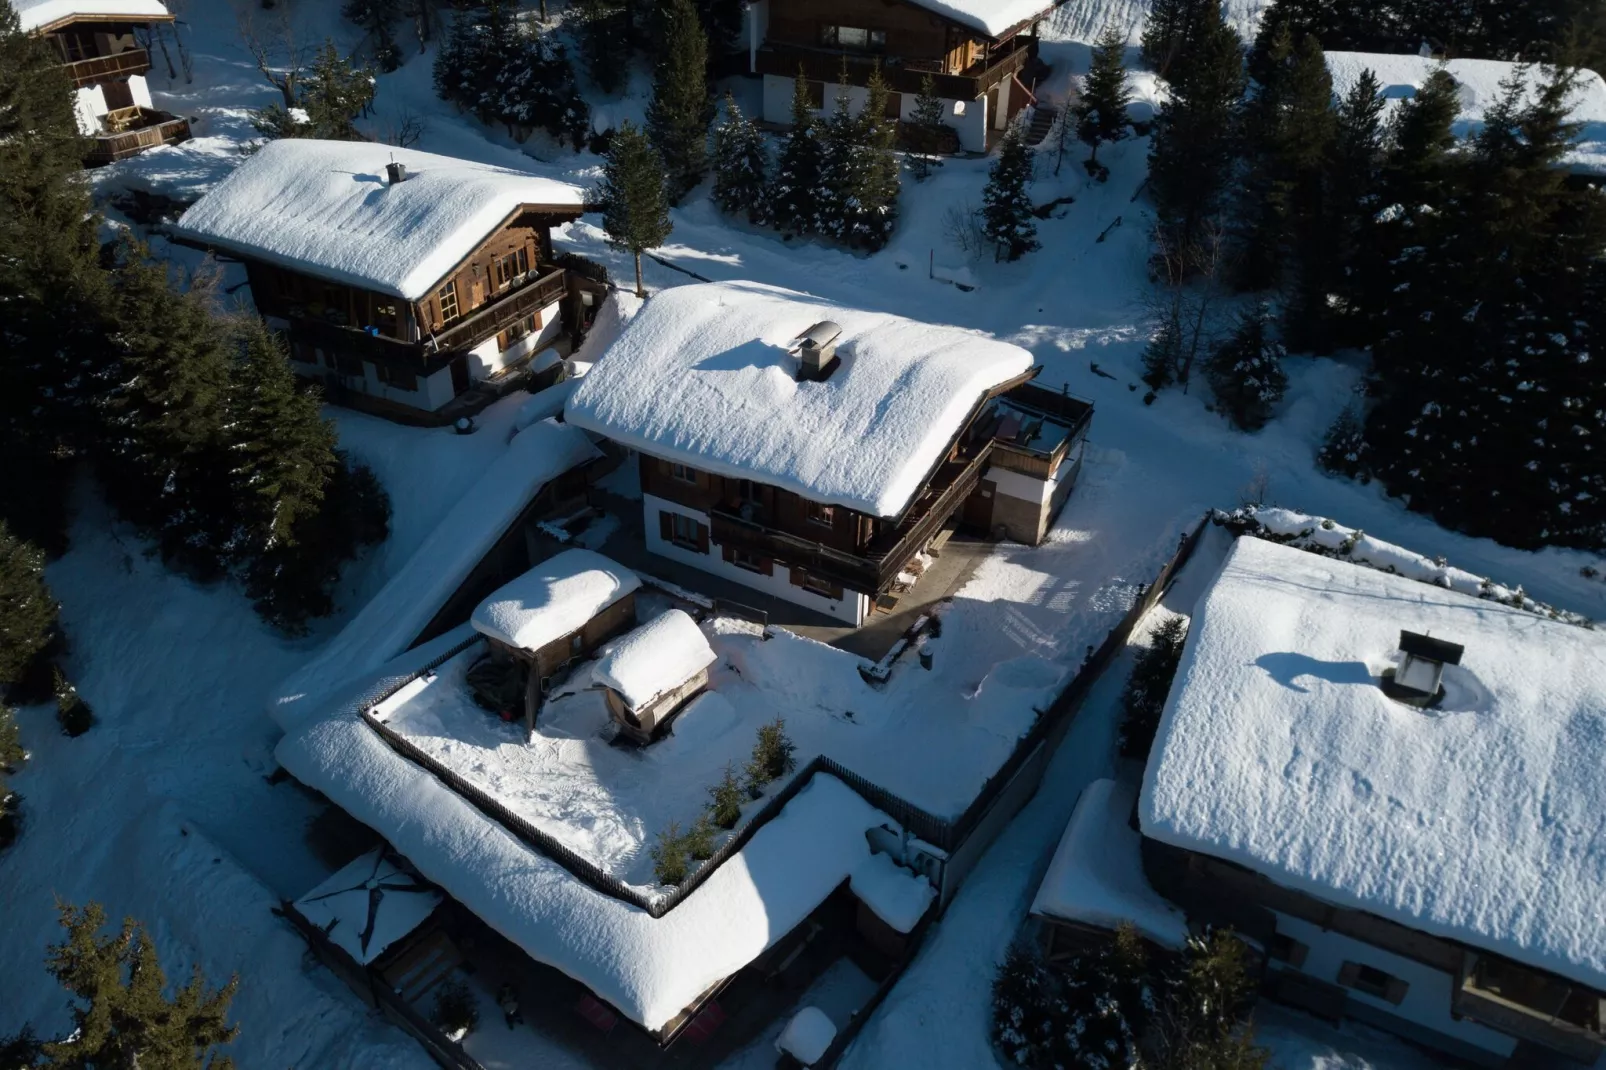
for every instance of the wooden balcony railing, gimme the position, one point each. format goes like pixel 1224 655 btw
pixel 103 68
pixel 141 131
pixel 902 75
pixel 1570 1027
pixel 500 314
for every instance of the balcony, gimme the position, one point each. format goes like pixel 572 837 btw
pixel 903 75
pixel 98 69
pixel 888 553
pixel 133 130
pixel 1531 1006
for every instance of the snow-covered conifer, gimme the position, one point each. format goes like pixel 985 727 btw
pixel 678 116
pixel 1006 210
pixel 794 196
pixel 1100 111
pixel 1148 687
pixel 1246 372
pixel 27 609
pixel 741 165
pixel 635 211
pixel 925 128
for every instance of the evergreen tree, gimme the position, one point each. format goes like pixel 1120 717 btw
pixel 1108 998
pixel 1206 1010
pixel 492 66
pixel 1027 1008
pixel 330 95
pixel 27 609
pixel 678 116
pixel 52 352
pixel 794 195
pixel 377 17
pixel 741 163
pixel 1147 688
pixel 1101 109
pixel 926 128
pixel 1343 449
pixel 1246 372
pixel 875 211
pixel 1192 156
pixel 725 809
pixel 1171 31
pixel 635 211
pixel 124 1019
pixel 842 163
pixel 1006 206
pixel 605 41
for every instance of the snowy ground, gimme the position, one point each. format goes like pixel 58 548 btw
pixel 179 675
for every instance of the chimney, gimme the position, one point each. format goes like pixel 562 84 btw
pixel 1417 679
pixel 396 172
pixel 816 352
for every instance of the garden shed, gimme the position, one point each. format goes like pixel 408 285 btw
pixel 650 674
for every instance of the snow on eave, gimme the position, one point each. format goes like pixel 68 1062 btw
pixel 704 375
pixel 995 18
pixel 44 16
pixel 1278 751
pixel 557 597
pixel 649 969
pixel 325 208
pixel 654 659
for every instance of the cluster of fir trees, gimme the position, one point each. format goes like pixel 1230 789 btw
pixel 191 419
pixel 1121 1005
pixel 500 70
pixel 121 1014
pixel 613 32
pixel 322 101
pixel 380 19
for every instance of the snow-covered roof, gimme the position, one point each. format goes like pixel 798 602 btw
pixel 325 208
pixel 898 896
pixel 992 17
pixel 649 969
pixel 409 600
pixel 1479 81
pixel 657 657
pixel 704 375
pixel 555 598
pixel 1482 820
pixel 357 921
pixel 1096 877
pixel 807 1037
pixel 42 14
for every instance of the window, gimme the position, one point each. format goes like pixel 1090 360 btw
pixel 853 37
pixel 747 490
pixel 1285 948
pixel 519 330
pixel 823 515
pixel 513 266
pixel 750 561
pixel 684 531
pixel 682 473
pixel 448 298
pixel 400 378
pixel 819 585
pixel 1372 981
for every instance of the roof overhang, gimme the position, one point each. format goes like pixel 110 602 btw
pixel 137 20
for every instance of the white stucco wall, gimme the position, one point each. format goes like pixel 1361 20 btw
pixel 1427 1000
pixel 852 607
pixel 971 122
pixel 89 104
pixel 141 91
pixel 485 360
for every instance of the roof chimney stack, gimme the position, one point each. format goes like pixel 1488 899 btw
pixel 1416 681
pixel 816 352
pixel 396 172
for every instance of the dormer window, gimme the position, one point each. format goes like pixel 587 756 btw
pixel 1418 677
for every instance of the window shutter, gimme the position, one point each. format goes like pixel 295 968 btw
pixel 702 538
pixel 1395 990
pixel 1347 974
pixel 727 553
pixel 666 525
pixel 797 576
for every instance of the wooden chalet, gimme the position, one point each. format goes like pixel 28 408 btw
pixel 99 47
pixel 848 555
pixel 400 279
pixel 979 55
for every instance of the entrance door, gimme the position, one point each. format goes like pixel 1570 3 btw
pixel 460 381
pixel 978 512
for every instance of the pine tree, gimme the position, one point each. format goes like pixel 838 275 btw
pixel 726 806
pixel 635 211
pixel 1101 109
pixel 377 17
pixel 926 128
pixel 27 610
pixel 1343 449
pixel 605 41
pixel 1144 697
pixel 533 87
pixel 1206 1010
pixel 842 163
pixel 678 116
pixel 52 351
pixel 875 213
pixel 1108 996
pixel 1192 156
pixel 1027 1008
pixel 1006 206
pixel 1246 372
pixel 774 755
pixel 794 196
pixel 1171 31
pixel 330 95
pixel 124 1018
pixel 741 165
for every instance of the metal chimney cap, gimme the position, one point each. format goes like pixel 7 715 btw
pixel 820 335
pixel 396 172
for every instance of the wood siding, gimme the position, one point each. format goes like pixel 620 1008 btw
pixel 476 278
pixel 912 32
pixel 614 620
pixel 774 508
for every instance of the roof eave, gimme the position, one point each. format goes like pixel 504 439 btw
pixel 53 26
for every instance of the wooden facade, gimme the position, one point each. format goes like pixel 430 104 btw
pixel 1541 1011
pixel 641 723
pixel 502 292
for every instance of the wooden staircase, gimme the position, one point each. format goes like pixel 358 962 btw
pixel 1044 115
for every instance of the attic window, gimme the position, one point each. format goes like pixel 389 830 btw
pixel 1417 679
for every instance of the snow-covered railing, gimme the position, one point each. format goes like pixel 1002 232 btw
pixel 1320 535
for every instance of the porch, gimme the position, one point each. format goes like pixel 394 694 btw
pixel 130 131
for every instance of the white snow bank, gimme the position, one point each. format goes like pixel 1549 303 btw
pixel 898 896
pixel 1482 820
pixel 807 1036
pixel 648 969
pixel 703 375
pixel 344 908
pixel 412 597
pixel 325 207
pixel 659 656
pixel 1479 84
pixel 559 596
pixel 1096 877
pixel 36 14
pixel 991 17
